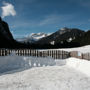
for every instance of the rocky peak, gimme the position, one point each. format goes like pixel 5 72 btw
pixel 4 29
pixel 63 30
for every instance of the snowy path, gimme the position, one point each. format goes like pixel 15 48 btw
pixel 46 78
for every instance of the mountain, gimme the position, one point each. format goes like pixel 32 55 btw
pixel 33 37
pixel 6 38
pixel 63 38
pixel 62 35
pixel 84 39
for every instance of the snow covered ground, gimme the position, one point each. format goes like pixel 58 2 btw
pixel 84 49
pixel 14 62
pixel 79 64
pixel 31 73
pixel 46 78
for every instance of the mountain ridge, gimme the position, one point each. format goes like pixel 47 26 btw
pixel 33 37
pixel 63 38
pixel 61 35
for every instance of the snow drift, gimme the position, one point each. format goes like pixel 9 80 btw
pixel 79 64
pixel 84 49
pixel 70 74
pixel 13 62
pixel 45 78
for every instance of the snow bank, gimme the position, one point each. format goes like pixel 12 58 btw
pixel 60 62
pixel 70 76
pixel 45 78
pixel 79 64
pixel 39 61
pixel 84 49
pixel 13 62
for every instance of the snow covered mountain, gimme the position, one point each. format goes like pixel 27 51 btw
pixel 61 36
pixel 33 37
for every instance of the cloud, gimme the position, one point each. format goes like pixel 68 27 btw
pixel 55 19
pixel 51 19
pixel 47 20
pixel 7 10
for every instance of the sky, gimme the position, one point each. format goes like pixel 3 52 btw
pixel 34 16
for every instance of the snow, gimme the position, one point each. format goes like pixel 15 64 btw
pixel 52 42
pixel 70 39
pixel 32 73
pixel 83 49
pixel 45 78
pixel 14 62
pixel 33 37
pixel 37 36
pixel 80 65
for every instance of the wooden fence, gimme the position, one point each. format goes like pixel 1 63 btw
pixel 80 55
pixel 56 54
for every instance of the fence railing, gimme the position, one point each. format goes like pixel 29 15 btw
pixel 80 55
pixel 56 54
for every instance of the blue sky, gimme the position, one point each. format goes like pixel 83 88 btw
pixel 33 16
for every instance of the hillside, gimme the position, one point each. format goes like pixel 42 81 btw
pixel 65 34
pixel 6 38
pixel 84 39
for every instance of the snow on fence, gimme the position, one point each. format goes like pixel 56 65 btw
pixel 56 54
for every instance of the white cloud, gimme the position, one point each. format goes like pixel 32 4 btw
pixel 50 19
pixel 55 19
pixel 7 10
